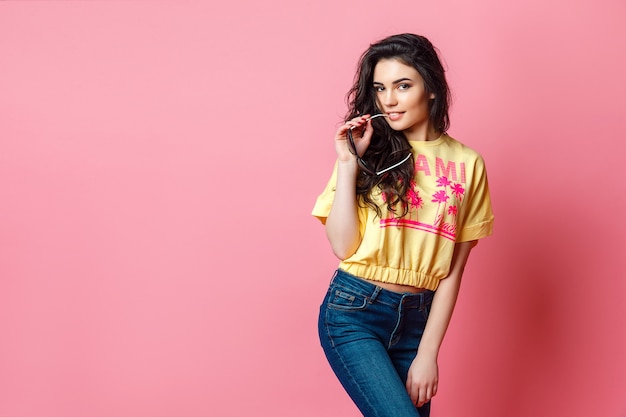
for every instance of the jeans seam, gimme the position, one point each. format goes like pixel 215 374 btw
pixel 343 364
pixel 393 333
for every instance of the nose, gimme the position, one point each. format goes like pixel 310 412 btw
pixel 389 99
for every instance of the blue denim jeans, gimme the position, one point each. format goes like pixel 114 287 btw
pixel 370 337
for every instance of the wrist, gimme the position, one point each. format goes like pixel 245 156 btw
pixel 349 163
pixel 427 352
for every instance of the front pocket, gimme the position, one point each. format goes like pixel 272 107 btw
pixel 341 300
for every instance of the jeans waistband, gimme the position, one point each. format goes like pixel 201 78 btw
pixel 372 291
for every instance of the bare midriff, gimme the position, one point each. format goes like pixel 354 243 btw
pixel 398 287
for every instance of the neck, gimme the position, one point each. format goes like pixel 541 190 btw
pixel 423 133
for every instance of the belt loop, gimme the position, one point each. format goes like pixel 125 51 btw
pixel 425 299
pixel 375 294
pixel 422 300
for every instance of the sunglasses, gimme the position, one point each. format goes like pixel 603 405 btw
pixel 361 163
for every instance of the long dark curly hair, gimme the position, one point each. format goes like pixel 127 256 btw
pixel 389 146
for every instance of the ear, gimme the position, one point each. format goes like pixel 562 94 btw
pixel 432 96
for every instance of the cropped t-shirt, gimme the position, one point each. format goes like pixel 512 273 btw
pixel 448 202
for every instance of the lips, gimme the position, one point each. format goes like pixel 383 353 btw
pixel 393 116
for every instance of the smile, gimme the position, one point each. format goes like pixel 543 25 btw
pixel 394 115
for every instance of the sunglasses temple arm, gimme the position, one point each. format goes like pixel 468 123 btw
pixel 394 166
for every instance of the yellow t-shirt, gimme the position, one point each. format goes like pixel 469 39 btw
pixel 449 202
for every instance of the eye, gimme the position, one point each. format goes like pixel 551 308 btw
pixel 379 88
pixel 403 86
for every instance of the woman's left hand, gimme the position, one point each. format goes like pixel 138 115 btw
pixel 422 380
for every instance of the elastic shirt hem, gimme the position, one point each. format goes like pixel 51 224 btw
pixel 392 275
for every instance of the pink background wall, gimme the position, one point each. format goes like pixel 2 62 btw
pixel 159 160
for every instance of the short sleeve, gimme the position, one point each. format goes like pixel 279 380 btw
pixel 324 201
pixel 477 216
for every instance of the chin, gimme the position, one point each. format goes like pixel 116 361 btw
pixel 400 127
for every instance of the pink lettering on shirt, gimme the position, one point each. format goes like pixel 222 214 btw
pixel 421 164
pixel 446 170
pixel 442 168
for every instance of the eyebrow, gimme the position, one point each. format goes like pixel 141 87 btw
pixel 398 81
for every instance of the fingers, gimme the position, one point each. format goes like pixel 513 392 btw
pixel 369 130
pixel 353 124
pixel 422 380
pixel 421 394
pixel 426 394
pixel 358 122
pixel 359 130
pixel 360 125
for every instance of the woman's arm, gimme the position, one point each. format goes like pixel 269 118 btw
pixel 342 223
pixel 423 374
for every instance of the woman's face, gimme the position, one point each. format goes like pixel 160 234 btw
pixel 400 94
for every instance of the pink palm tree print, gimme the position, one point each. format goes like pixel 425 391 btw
pixel 440 197
pixel 443 182
pixel 458 191
pixel 452 210
pixel 415 201
pixel 413 196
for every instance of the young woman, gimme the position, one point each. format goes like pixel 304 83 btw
pixel 403 208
